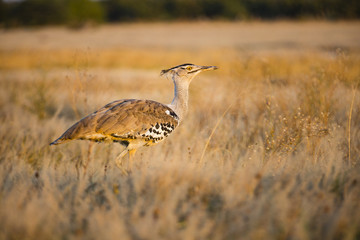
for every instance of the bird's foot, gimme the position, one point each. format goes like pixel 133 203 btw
pixel 119 161
pixel 125 171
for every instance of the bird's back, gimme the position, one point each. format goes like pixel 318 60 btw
pixel 144 121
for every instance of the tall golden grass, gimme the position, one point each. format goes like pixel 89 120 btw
pixel 269 150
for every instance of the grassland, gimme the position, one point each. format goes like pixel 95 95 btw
pixel 269 150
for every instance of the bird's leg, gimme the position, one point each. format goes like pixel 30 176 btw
pixel 131 155
pixel 119 162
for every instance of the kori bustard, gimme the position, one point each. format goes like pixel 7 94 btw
pixel 136 123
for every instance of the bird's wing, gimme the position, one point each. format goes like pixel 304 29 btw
pixel 85 127
pixel 121 119
pixel 134 117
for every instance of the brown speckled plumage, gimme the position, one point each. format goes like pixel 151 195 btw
pixel 123 120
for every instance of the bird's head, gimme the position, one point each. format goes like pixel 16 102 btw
pixel 186 71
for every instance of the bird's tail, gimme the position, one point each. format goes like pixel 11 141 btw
pixel 68 135
pixel 58 141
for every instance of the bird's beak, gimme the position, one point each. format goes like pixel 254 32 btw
pixel 207 68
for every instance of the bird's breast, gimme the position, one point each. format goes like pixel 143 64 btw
pixel 148 136
pixel 158 132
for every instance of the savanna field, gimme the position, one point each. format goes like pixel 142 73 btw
pixel 270 148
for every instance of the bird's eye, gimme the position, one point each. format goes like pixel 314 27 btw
pixel 188 68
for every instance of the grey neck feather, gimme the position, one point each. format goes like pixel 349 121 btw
pixel 181 96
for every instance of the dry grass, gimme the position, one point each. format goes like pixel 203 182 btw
pixel 282 163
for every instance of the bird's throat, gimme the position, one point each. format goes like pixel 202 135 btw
pixel 181 97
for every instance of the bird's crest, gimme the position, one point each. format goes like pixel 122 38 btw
pixel 181 65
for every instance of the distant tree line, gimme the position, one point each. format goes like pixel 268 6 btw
pixel 78 12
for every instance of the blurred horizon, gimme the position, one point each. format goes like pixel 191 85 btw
pixel 79 13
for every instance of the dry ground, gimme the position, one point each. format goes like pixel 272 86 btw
pixel 269 150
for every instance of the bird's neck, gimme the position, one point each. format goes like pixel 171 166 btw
pixel 181 97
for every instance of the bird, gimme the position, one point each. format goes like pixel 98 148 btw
pixel 136 123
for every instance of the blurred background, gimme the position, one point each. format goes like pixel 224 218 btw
pixel 76 13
